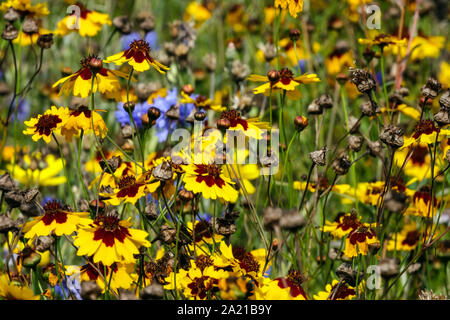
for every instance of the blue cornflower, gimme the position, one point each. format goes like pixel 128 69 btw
pixel 151 37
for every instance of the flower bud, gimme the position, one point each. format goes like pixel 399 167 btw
pixel 223 123
pixel 273 76
pixel 300 123
pixel 153 113
pixel 45 41
pixel 294 35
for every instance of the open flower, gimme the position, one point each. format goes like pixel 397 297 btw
pixel 209 180
pixel 336 291
pixel 88 24
pixel 82 119
pixel 282 288
pixel 44 125
pixel 10 290
pixel 129 189
pixel 343 224
pixel 250 127
pixel 138 56
pixel 425 132
pixel 294 6
pixel 406 240
pixel 283 80
pixel 108 239
pixel 25 7
pixel 56 219
pixel 358 241
pixel 382 40
pixel 80 82
pixel 421 205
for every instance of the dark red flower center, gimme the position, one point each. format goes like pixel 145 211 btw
pixel 128 187
pixel 203 261
pixel 139 50
pixel 349 221
pixel 47 123
pixel 424 194
pixel 213 172
pixel 202 229
pixel 235 118
pixel 342 292
pixel 361 235
pixel 418 155
pixel 83 109
pixel 424 127
pixel 246 259
pixel 286 76
pixel 200 286
pixel 53 211
pixel 293 281
pixel 109 230
pixel 412 237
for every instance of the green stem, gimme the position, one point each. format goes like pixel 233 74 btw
pixel 65 172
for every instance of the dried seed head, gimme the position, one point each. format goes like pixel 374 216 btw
pixel 444 100
pixel 292 220
pixel 319 157
pixel 181 50
pixel 346 273
pixel 430 295
pixel 431 89
pixel 300 123
pixel 314 108
pixel 362 79
pixel 90 290
pixel 111 164
pixel 173 112
pixel 370 108
pixel 122 24
pixel 14 198
pixel 127 131
pixel 325 101
pixel 225 226
pixel 442 118
pixel 30 25
pixel 45 41
pixel 392 136
pixel 145 21
pixel 155 291
pixel 43 243
pixel 374 147
pixel 167 234
pixel 210 62
pixel 239 70
pixel 10 32
pixel 270 52
pixel 341 164
pixel 11 15
pixel 6 224
pixel 353 124
pixel 447 156
pixel 294 34
pixel 355 143
pixel 271 217
pixel 163 171
pixel 395 201
pixel 7 183
pixel 388 267
pixel 151 211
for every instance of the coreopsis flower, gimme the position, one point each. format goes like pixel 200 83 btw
pixel 419 163
pixel 358 241
pixel 108 239
pixel 88 24
pixel 138 56
pixel 25 39
pixel 339 61
pixel 44 125
pixel 421 205
pixel 209 181
pixel 56 219
pixel 45 174
pixel 294 6
pixel 129 189
pixel 245 173
pixel 122 275
pixel 80 82
pixel 283 80
pixel 343 224
pixel 406 110
pixel 237 288
pixel 424 47
pixel 199 282
pixel 282 288
pixel 82 119
pixel 383 40
pixel 201 102
pixel 405 240
pixel 202 231
pixel 160 177
pixel 336 291
pixel 252 128
pixel 242 262
pixel 12 290
pixel 425 132
pixel 197 12
pixel 24 7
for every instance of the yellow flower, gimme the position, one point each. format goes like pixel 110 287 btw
pixel 250 127
pixel 25 39
pixel 203 232
pixel 286 82
pixel 406 240
pixel 244 173
pixel 383 40
pixel 333 292
pixel 108 239
pixel 122 276
pixel 344 224
pixel 80 82
pixel 403 108
pixel 425 133
pixel 82 119
pixel 56 220
pixel 358 241
pixel 444 74
pixel 421 204
pixel 421 47
pixel 129 189
pixel 43 126
pixel 339 61
pixel 197 12
pixel 25 7
pixel 31 176
pixel 419 162
pixel 209 180
pixel 202 102
pixel 88 24
pixel 138 56
pixel 294 6
pixel 283 288
pixel 10 290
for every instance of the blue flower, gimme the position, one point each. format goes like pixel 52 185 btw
pixel 71 286
pixel 23 109
pixel 123 117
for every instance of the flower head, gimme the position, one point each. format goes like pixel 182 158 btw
pixel 43 126
pixel 138 56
